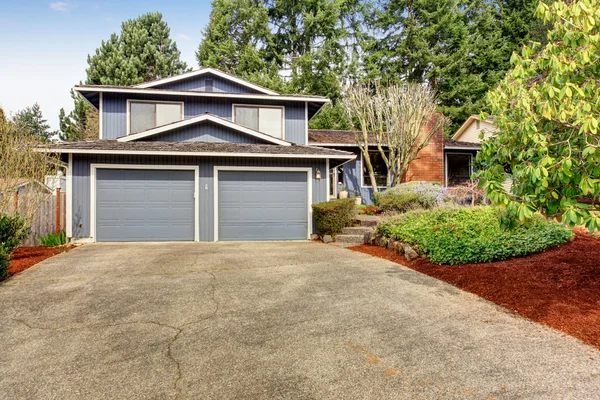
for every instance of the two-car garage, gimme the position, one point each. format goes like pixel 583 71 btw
pixel 145 203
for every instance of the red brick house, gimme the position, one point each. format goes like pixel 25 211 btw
pixel 445 161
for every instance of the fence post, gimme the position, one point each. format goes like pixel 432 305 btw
pixel 16 201
pixel 58 211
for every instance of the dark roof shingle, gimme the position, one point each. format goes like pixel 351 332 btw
pixel 330 136
pixel 113 146
pixel 459 144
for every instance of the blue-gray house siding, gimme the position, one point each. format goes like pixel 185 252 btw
pixel 81 182
pixel 114 112
pixel 198 83
pixel 205 132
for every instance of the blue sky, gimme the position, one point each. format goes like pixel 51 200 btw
pixel 44 45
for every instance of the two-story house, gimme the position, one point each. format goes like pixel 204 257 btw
pixel 202 156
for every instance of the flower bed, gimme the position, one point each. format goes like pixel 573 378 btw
pixel 559 287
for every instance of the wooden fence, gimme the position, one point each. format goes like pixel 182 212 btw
pixel 51 210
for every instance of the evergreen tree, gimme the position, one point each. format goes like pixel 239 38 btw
pixel 75 125
pixel 313 41
pixel 143 51
pixel 32 121
pixel 461 47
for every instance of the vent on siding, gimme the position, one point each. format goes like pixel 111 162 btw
pixel 208 85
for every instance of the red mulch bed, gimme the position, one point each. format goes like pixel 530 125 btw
pixel 27 256
pixel 559 288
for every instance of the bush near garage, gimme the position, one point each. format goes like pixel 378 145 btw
pixel 332 216
pixel 12 233
pixel 410 196
pixel 461 235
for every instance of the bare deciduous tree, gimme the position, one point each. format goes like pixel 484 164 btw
pixel 24 165
pixel 401 117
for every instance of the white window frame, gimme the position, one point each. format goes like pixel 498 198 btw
pixel 362 175
pixel 446 164
pixel 282 108
pixel 129 101
pixel 195 168
pixel 217 169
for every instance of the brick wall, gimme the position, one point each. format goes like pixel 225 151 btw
pixel 429 164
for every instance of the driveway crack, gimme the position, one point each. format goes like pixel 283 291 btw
pixel 179 329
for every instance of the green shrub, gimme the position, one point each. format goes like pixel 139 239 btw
pixel 410 196
pixel 12 233
pixel 53 239
pixel 471 235
pixel 332 216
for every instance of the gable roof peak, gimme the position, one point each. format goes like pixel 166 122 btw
pixel 203 71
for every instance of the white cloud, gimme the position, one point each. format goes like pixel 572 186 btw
pixel 60 6
pixel 183 36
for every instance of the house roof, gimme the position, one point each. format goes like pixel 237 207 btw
pixel 451 144
pixel 331 137
pixel 198 149
pixel 202 71
pixel 207 117
pixel 468 123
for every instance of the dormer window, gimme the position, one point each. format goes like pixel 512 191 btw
pixel 144 115
pixel 264 119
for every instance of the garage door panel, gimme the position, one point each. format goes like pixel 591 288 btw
pixel 263 205
pixel 144 205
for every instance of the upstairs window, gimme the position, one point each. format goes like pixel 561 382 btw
pixel 264 119
pixel 144 115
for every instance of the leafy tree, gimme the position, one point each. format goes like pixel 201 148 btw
pixel 33 122
pixel 548 112
pixel 143 51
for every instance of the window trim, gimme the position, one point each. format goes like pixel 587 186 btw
pixel 362 175
pixel 129 101
pixel 259 106
pixel 471 156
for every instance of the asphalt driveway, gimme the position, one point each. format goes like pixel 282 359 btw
pixel 264 321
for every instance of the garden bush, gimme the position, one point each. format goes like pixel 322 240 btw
pixel 332 216
pixel 54 239
pixel 462 235
pixel 410 196
pixel 12 233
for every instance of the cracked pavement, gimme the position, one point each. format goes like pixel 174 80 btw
pixel 268 320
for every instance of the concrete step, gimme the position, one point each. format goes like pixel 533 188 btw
pixel 357 230
pixel 350 239
pixel 368 220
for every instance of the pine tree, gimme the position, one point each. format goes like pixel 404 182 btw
pixel 32 121
pixel 143 51
pixel 79 124
pixel 313 41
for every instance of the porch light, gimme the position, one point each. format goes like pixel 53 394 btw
pixel 318 174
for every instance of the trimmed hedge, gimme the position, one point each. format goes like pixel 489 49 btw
pixel 410 196
pixel 11 235
pixel 332 216
pixel 453 236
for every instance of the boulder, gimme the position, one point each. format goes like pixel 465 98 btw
pixel 314 236
pixel 327 239
pixel 396 247
pixel 410 253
